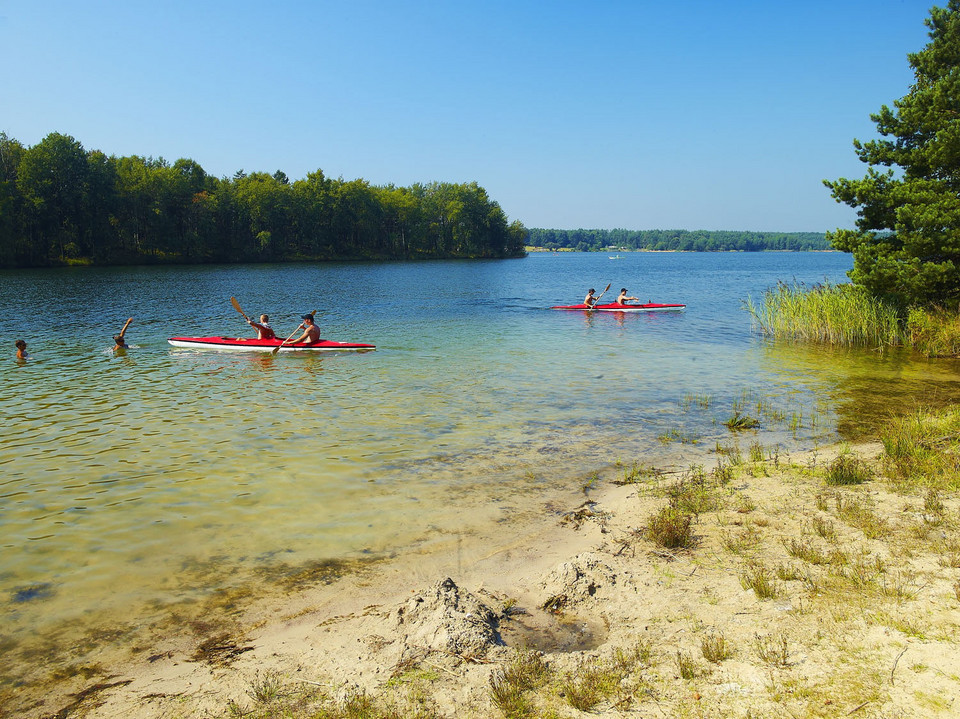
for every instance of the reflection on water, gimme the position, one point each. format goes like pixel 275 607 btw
pixel 865 388
pixel 139 483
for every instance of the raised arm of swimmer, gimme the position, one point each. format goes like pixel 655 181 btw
pixel 120 340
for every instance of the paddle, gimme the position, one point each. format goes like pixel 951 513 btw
pixel 597 301
pixel 277 348
pixel 236 306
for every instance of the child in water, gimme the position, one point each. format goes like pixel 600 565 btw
pixel 121 343
pixel 21 349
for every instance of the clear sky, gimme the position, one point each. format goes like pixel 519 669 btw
pixel 678 114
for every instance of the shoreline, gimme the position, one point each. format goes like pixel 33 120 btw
pixel 831 631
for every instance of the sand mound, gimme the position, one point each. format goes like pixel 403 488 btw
pixel 447 619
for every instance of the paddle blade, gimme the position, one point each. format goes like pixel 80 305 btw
pixel 236 306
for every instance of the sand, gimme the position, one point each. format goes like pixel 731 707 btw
pixel 863 617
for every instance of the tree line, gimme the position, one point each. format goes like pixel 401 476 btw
pixel 62 204
pixel 677 240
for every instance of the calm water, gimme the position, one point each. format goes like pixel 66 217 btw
pixel 129 483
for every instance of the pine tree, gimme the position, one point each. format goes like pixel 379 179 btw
pixel 907 242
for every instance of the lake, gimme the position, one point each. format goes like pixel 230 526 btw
pixel 135 484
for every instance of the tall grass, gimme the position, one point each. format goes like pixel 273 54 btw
pixel 934 332
pixel 923 448
pixel 836 314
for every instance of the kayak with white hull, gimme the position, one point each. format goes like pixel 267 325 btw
pixel 250 344
pixel 614 307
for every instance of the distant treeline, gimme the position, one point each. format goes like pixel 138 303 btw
pixel 678 240
pixel 60 203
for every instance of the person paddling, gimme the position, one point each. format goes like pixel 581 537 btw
pixel 622 299
pixel 119 340
pixel 263 328
pixel 590 300
pixel 311 333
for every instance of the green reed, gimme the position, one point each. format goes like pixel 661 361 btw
pixel 934 332
pixel 835 314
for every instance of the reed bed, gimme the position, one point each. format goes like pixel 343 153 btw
pixel 934 332
pixel 835 314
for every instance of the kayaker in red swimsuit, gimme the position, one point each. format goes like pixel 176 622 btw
pixel 311 332
pixel 623 299
pixel 263 328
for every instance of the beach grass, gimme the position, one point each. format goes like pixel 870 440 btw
pixel 715 647
pixel 847 468
pixel 923 448
pixel 934 332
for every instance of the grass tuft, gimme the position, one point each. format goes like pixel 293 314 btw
pixel 265 688
pixel 773 649
pixel 742 540
pixel 848 469
pixel 923 449
pixel 739 422
pixel 715 648
pixel 825 528
pixel 805 551
pixel 687 666
pixel 637 472
pixel 590 683
pixel 932 504
pixel 760 580
pixel 670 528
pixel 857 514
pixel 509 684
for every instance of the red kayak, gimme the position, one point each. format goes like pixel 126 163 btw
pixel 614 307
pixel 242 343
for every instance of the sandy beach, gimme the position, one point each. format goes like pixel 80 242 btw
pixel 792 598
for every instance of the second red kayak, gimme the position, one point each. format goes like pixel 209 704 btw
pixel 243 343
pixel 614 307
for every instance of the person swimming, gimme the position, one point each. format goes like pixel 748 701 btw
pixel 120 342
pixel 21 349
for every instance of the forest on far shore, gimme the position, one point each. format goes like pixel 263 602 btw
pixel 61 204
pixel 677 240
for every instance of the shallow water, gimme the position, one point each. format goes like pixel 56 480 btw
pixel 134 481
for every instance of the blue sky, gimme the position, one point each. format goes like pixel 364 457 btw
pixel 682 114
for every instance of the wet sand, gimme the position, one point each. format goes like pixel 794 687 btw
pixel 860 622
